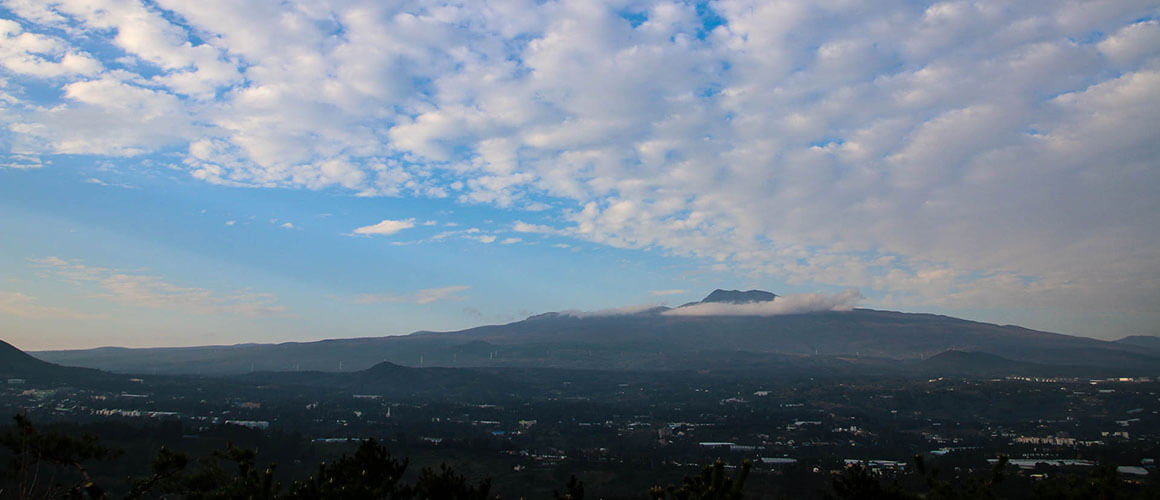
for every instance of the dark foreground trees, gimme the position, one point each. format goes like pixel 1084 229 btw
pixel 48 464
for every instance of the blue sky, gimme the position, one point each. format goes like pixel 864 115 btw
pixel 182 173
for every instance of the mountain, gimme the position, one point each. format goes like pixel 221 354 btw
pixel 392 380
pixel 739 297
pixel 818 342
pixel 15 363
pixel 1147 342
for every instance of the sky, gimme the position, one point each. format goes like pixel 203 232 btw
pixel 179 172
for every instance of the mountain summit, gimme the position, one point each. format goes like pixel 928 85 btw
pixel 738 296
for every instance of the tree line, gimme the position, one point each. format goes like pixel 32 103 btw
pixel 52 464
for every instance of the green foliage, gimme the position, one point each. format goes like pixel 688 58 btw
pixel 574 490
pixel 49 464
pixel 226 474
pixel 975 488
pixel 40 458
pixel 166 467
pixel 856 482
pixel 711 484
pixel 1102 484
pixel 370 473
pixel 448 484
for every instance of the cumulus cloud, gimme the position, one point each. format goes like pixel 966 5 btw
pixel 424 296
pixel 41 56
pixel 386 227
pixel 886 146
pixel 141 290
pixel 785 304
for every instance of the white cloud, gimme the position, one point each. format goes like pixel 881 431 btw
pixel 287 225
pixel 953 153
pixel 231 222
pixel 386 227
pixel 784 304
pixel 662 293
pixel 525 227
pixel 1132 42
pixel 617 311
pixel 41 56
pixel 511 241
pixel 140 290
pixel 94 180
pixel 21 162
pixel 424 296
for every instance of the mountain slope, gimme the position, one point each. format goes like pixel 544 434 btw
pixel 649 340
pixel 15 363
pixel 1146 342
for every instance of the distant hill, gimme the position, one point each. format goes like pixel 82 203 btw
pixel 821 342
pixel 982 364
pixel 392 380
pixel 1145 341
pixel 15 363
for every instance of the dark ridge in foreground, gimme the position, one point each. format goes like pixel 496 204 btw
pixel 17 364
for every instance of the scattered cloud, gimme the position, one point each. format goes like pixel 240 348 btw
pixel 140 290
pixel 287 225
pixel 94 180
pixel 885 146
pixel 231 222
pixel 524 227
pixel 21 162
pixel 424 296
pixel 785 304
pixel 662 293
pixel 25 306
pixel 511 241
pixel 386 227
